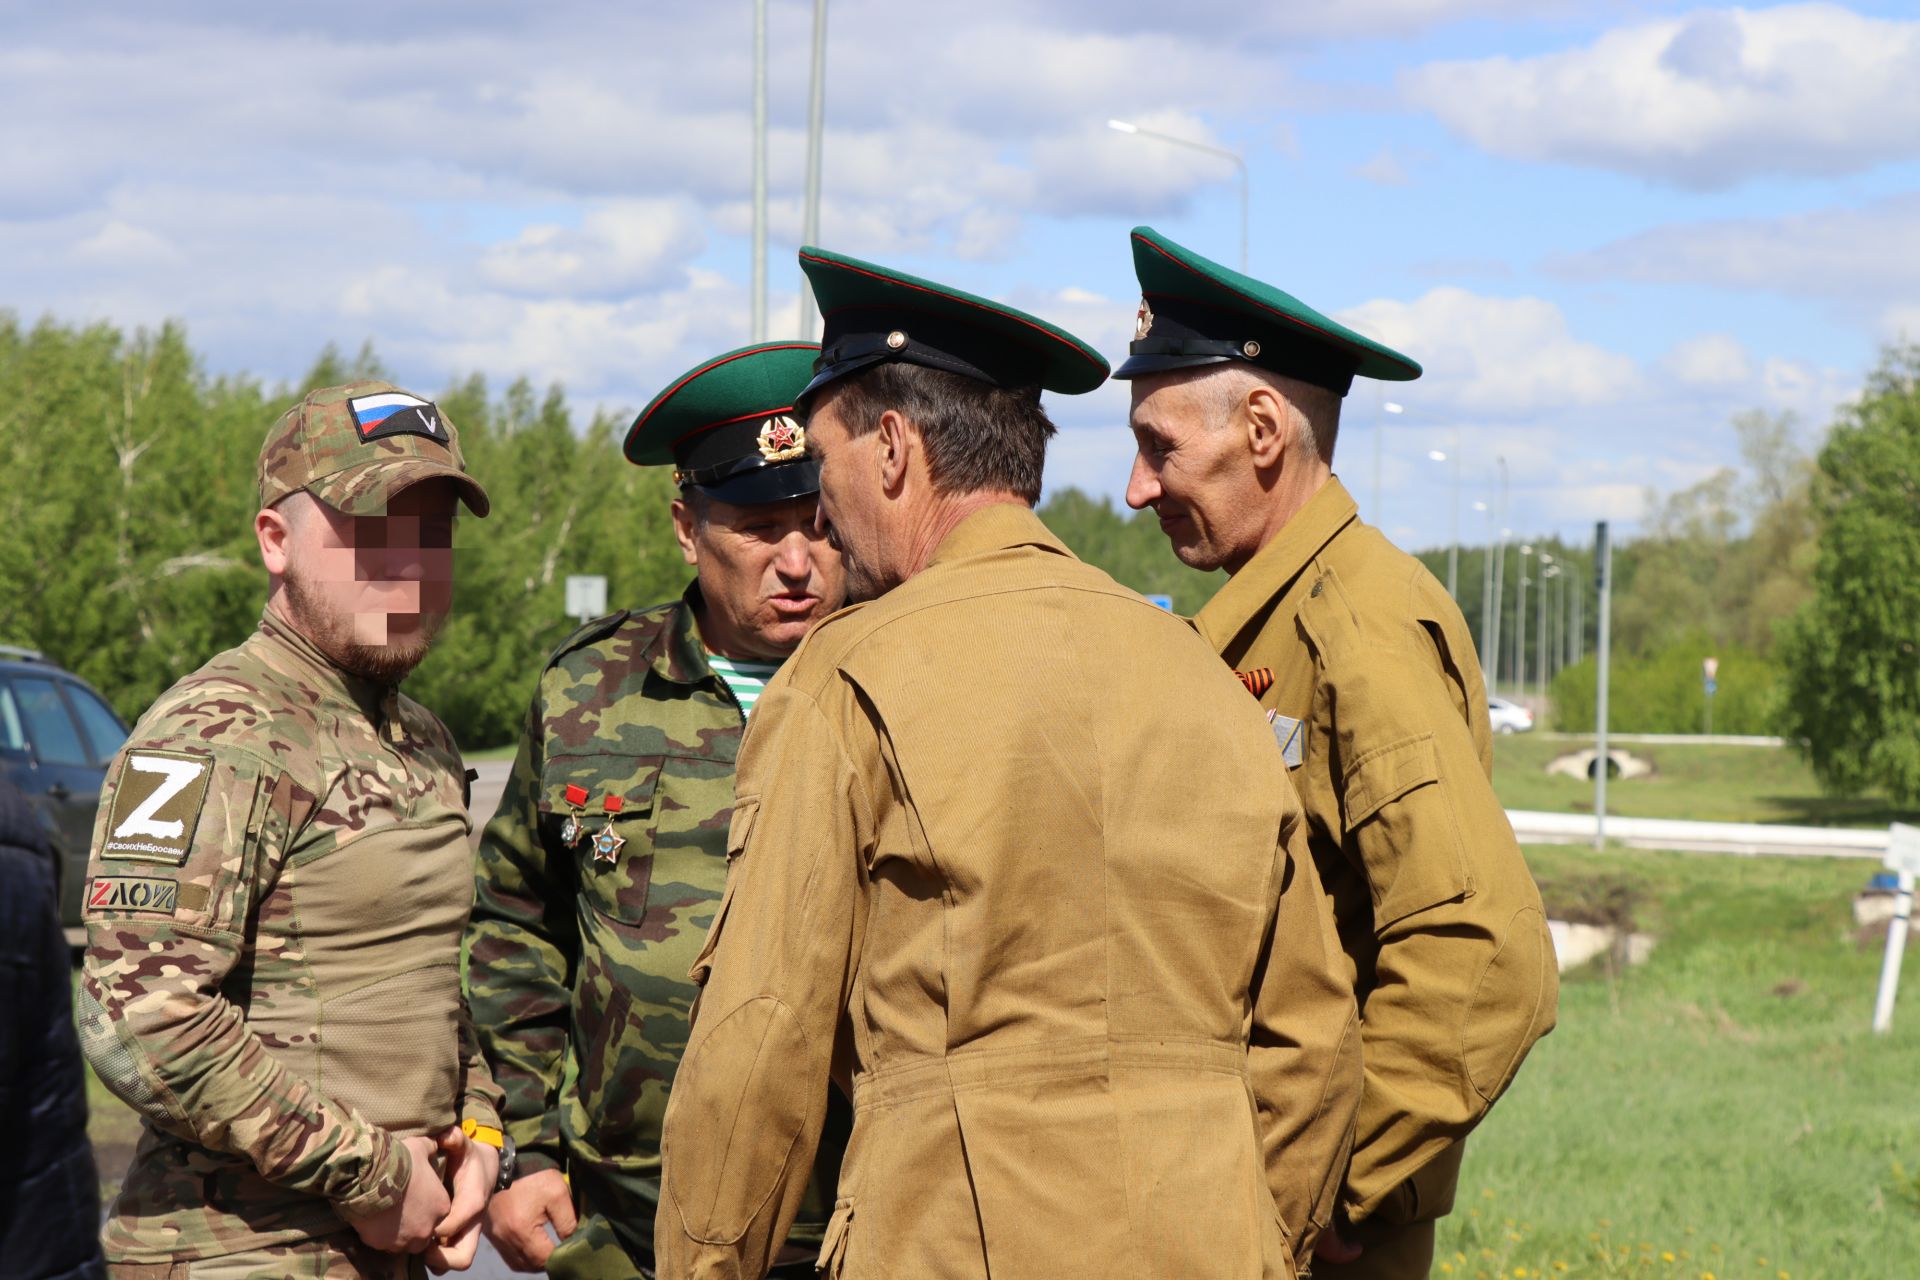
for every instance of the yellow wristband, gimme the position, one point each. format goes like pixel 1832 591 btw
pixel 483 1133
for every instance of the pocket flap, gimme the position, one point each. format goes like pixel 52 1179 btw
pixel 631 778
pixel 740 829
pixel 1384 775
pixel 833 1247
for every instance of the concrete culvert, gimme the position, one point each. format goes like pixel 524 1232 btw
pixel 1586 764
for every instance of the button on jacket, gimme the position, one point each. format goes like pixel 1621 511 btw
pixel 1017 859
pixel 1440 919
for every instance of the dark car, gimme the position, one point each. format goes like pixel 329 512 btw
pixel 57 737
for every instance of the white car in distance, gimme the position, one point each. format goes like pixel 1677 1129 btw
pixel 1508 717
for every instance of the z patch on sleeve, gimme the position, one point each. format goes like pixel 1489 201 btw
pixel 156 807
pixel 132 893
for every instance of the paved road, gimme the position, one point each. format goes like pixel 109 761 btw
pixel 486 792
pixel 1745 838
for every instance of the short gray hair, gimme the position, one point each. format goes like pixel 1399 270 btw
pixel 1316 409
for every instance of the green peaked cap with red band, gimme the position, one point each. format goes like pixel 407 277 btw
pixel 1193 311
pixel 871 314
pixel 728 426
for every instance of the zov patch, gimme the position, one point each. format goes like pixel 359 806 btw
pixel 1291 734
pixel 395 413
pixel 156 805
pixel 132 893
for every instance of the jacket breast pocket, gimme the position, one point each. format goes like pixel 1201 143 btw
pixel 1401 823
pixel 611 848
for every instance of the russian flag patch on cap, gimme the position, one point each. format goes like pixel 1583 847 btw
pixel 394 413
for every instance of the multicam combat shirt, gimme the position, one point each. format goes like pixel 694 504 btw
pixel 577 964
pixel 279 879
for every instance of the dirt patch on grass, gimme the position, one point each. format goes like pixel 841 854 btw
pixel 1608 901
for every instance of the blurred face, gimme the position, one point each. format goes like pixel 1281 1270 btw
pixel 853 507
pixel 372 591
pixel 766 574
pixel 1192 466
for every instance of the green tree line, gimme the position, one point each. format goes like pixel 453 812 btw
pixel 128 554
pixel 130 489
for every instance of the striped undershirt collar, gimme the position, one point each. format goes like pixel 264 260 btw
pixel 746 679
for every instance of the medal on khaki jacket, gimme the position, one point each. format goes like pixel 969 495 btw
pixel 606 843
pixel 572 829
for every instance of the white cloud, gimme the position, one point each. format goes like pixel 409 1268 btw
pixel 620 247
pixel 1384 169
pixel 1700 101
pixel 1709 360
pixel 1864 253
pixel 1505 355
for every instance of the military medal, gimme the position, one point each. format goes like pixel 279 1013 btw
pixel 606 844
pixel 571 830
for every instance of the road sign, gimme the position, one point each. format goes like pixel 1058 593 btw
pixel 586 596
pixel 1161 601
pixel 1710 667
pixel 1713 686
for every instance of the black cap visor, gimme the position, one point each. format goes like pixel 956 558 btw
pixel 1185 334
pixel 762 483
pixel 858 337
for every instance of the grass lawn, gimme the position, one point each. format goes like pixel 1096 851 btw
pixel 1724 1103
pixel 1705 783
pixel 1722 1109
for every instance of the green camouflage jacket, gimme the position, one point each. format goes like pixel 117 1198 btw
pixel 577 967
pixel 279 879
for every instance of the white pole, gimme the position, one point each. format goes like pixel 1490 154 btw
pixel 1903 855
pixel 1603 569
pixel 1453 547
pixel 816 122
pixel 759 324
pixel 1896 950
pixel 1520 628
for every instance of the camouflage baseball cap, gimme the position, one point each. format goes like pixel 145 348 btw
pixel 354 447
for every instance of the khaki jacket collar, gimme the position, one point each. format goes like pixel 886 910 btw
pixel 996 528
pixel 1265 578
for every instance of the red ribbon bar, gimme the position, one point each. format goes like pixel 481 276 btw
pixel 614 804
pixel 576 795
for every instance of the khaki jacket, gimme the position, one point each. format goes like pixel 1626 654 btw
pixel 1441 921
pixel 1015 858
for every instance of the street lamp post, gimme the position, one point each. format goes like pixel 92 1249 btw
pixel 1239 162
pixel 1579 621
pixel 1499 577
pixel 759 302
pixel 1379 447
pixel 816 121
pixel 1453 544
pixel 1520 631
pixel 1547 575
pixel 1486 588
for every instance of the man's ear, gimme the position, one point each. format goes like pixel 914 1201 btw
pixel 1270 425
pixel 684 523
pixel 274 532
pixel 894 448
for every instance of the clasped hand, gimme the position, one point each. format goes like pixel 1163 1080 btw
pixel 439 1215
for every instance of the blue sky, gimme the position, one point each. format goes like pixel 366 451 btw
pixel 1605 228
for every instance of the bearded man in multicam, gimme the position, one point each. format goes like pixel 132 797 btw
pixel 278 883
